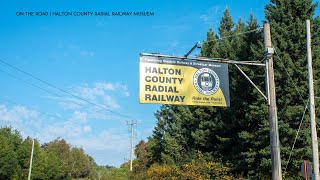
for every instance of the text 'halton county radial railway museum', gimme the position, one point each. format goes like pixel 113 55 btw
pixel 101 13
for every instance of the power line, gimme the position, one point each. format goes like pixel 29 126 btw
pixel 296 87
pixel 295 139
pixel 10 101
pixel 62 90
pixel 50 92
pixel 290 78
pixel 29 108
pixel 238 34
pixel 36 86
pixel 304 102
pixel 55 94
pixel 37 110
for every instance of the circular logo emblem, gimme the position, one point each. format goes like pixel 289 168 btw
pixel 206 81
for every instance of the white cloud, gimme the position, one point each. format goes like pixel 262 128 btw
pixel 79 121
pixel 102 94
pixel 16 114
pixel 68 102
pixel 110 102
pixel 212 15
pixel 104 86
pixel 66 130
pixel 117 87
pixel 106 140
pixel 78 132
pixel 90 93
pixel 87 129
pixel 100 89
pixel 79 117
pixel 103 98
pixel 108 146
pixel 73 127
pixel 19 117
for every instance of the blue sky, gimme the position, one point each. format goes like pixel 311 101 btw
pixel 95 58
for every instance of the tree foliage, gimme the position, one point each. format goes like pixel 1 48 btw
pixel 9 164
pixel 53 160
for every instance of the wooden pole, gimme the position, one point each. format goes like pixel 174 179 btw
pixel 272 106
pixel 314 138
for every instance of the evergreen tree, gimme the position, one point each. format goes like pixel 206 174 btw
pixel 209 46
pixel 226 24
pixel 288 28
pixel 182 130
pixel 239 135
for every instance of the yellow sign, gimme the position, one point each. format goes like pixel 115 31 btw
pixel 172 81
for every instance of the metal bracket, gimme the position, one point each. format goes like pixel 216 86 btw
pixel 197 45
pixel 254 85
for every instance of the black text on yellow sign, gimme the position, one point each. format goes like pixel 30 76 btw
pixel 183 82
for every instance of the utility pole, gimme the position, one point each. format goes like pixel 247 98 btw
pixel 314 138
pixel 31 157
pixel 272 106
pixel 131 142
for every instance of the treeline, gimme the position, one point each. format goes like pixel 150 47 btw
pixel 191 142
pixel 55 160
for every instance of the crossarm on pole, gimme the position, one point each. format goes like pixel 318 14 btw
pixel 219 60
